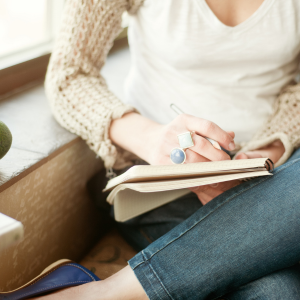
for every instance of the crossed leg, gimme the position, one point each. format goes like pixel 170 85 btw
pixel 235 244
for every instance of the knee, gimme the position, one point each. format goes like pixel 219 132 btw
pixel 286 177
pixel 284 284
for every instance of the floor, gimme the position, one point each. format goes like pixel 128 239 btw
pixel 112 252
pixel 109 256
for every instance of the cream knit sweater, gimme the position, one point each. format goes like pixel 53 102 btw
pixel 82 102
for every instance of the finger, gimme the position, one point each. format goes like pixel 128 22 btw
pixel 241 155
pixel 216 188
pixel 203 147
pixel 254 154
pixel 209 129
pixel 193 157
pixel 204 199
pixel 231 133
pixel 273 153
pixel 211 192
pixel 201 196
pixel 201 188
pixel 250 154
pixel 208 195
pixel 270 151
pixel 225 186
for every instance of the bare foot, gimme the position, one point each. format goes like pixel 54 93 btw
pixel 121 286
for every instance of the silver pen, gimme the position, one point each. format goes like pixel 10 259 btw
pixel 178 111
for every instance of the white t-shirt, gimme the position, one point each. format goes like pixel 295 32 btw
pixel 183 54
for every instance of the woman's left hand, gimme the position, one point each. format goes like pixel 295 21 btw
pixel 208 192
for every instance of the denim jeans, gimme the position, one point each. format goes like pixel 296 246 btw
pixel 242 245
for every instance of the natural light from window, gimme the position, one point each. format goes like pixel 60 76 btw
pixel 23 24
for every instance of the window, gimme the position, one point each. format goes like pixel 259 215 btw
pixel 27 29
pixel 27 32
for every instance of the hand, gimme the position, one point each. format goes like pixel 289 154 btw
pixel 206 193
pixel 273 151
pixel 162 140
pixel 154 142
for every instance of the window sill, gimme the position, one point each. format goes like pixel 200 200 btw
pixel 43 183
pixel 37 137
pixel 21 71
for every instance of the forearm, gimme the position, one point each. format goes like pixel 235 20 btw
pixel 79 97
pixel 134 133
pixel 153 142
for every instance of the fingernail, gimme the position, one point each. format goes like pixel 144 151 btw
pixel 214 185
pixel 231 146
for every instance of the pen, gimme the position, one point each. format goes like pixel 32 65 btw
pixel 178 111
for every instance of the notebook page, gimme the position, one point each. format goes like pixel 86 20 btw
pixel 129 204
pixel 158 186
pixel 149 172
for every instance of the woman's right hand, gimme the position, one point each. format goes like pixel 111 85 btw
pixel 164 138
pixel 153 142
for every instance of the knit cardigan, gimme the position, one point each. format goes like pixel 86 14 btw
pixel 82 103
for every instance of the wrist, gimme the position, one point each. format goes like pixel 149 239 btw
pixel 134 133
pixel 276 149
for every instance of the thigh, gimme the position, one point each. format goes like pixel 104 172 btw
pixel 280 285
pixel 141 231
pixel 244 234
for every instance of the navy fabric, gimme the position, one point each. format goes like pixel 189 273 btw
pixel 70 274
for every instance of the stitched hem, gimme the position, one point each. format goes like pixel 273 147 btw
pixel 147 277
pixel 246 186
pixel 141 263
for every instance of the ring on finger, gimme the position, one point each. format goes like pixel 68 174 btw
pixel 178 155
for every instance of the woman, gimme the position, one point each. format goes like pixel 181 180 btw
pixel 230 66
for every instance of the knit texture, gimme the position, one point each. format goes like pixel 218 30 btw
pixel 82 102
pixel 284 125
pixel 78 94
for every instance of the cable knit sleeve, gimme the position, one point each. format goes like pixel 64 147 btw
pixel 283 125
pixel 78 94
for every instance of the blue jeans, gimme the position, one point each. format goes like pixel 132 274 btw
pixel 244 244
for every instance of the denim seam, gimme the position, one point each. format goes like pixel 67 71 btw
pixel 157 277
pixel 142 262
pixel 233 196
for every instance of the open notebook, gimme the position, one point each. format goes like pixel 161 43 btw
pixel 143 188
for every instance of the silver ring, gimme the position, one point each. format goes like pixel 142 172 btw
pixel 178 155
pixel 185 140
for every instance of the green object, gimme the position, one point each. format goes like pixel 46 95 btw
pixel 5 139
